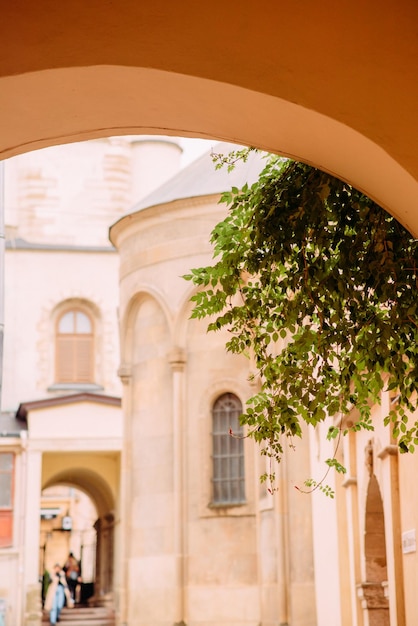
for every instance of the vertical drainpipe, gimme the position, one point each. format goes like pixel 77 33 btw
pixel 2 248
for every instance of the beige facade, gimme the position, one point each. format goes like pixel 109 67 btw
pixel 167 553
pixel 332 85
pixel 203 564
pixel 175 555
pixel 345 557
pixel 64 433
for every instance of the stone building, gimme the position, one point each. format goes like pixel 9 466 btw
pixel 330 84
pixel 111 389
pixel 207 542
pixel 61 423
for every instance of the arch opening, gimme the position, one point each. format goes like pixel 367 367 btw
pixel 68 519
pixel 80 103
pixel 83 522
pixel 376 604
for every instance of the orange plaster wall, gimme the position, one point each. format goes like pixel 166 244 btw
pixel 333 84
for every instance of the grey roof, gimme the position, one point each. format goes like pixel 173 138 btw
pixel 11 426
pixel 201 179
pixel 21 244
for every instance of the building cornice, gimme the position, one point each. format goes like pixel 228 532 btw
pixel 27 407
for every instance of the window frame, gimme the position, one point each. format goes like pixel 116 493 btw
pixel 75 341
pixel 228 476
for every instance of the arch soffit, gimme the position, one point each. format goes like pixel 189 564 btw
pixel 374 500
pixel 88 481
pixel 182 320
pixel 283 127
pixel 218 388
pixel 128 322
pixel 374 527
pixel 372 475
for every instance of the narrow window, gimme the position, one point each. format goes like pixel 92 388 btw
pixel 74 348
pixel 6 499
pixel 228 451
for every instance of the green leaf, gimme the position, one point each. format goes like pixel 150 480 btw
pixel 305 257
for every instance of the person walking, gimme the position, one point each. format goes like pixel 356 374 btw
pixel 72 574
pixel 56 594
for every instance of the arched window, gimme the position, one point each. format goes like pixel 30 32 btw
pixel 74 348
pixel 228 475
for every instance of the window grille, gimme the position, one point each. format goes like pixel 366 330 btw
pixel 228 477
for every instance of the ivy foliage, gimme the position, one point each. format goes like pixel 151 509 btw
pixel 317 284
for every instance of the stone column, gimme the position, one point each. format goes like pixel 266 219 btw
pixel 103 594
pixel 353 574
pixel 32 587
pixel 374 603
pixel 177 361
pixel 98 575
pixel 108 555
pixel 391 503
pixel 122 561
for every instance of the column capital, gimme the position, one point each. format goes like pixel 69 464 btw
pixel 390 450
pixel 125 373
pixel 177 359
pixel 350 481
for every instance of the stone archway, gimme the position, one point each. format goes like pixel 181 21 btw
pixel 374 600
pixel 286 78
pixel 91 482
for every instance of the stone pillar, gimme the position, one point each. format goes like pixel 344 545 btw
pixel 177 361
pixel 374 603
pixel 98 575
pixel 353 574
pixel 103 594
pixel 299 520
pixel 151 583
pixel 32 587
pixel 391 502
pixel 108 554
pixel 122 562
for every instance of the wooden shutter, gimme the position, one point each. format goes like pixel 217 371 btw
pixel 65 358
pixel 83 359
pixel 74 354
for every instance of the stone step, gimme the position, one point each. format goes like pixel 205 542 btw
pixel 83 616
pixel 90 622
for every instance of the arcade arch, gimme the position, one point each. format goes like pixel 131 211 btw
pixel 81 71
pixel 375 603
pixel 68 519
pixel 287 86
pixel 94 475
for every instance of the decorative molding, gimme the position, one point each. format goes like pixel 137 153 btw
pixel 177 359
pixel 81 387
pixel 22 244
pixel 373 595
pixel 390 450
pixel 125 373
pixel 350 481
pixel 26 407
pixel 369 457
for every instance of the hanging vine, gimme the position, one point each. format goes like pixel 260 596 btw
pixel 319 284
